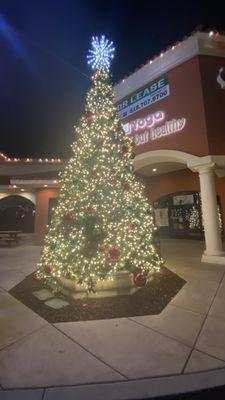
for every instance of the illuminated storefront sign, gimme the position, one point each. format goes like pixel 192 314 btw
pixel 150 94
pixel 143 123
pixel 143 130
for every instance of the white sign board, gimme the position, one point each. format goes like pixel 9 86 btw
pixel 151 93
pixel 184 199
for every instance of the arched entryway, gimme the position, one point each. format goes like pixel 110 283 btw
pixel 163 162
pixel 17 213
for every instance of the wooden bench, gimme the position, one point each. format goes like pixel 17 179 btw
pixel 10 237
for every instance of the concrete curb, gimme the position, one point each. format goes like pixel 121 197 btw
pixel 130 390
pixel 141 388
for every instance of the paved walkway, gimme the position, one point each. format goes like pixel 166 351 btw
pixel 181 349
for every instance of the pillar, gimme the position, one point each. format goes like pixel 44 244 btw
pixel 214 250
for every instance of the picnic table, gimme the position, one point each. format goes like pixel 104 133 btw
pixel 10 236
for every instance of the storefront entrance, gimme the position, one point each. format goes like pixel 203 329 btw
pixel 179 215
pixel 17 213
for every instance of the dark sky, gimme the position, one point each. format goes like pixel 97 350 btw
pixel 43 46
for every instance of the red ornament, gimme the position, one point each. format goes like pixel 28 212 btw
pixel 110 182
pixel 71 216
pixel 50 268
pixel 100 142
pixel 89 117
pixel 90 209
pixel 120 132
pixel 94 173
pixel 139 279
pixel 131 227
pixel 101 248
pixel 124 149
pixel 37 277
pixel 114 253
pixel 126 187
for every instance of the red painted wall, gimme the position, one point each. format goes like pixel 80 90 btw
pixel 184 101
pixel 214 103
pixel 177 181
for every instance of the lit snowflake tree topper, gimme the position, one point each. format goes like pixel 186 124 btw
pixel 101 54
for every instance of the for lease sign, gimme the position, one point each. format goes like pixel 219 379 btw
pixel 149 94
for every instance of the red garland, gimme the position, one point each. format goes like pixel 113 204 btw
pixel 114 253
pixel 131 227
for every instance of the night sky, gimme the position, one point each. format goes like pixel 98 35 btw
pixel 43 71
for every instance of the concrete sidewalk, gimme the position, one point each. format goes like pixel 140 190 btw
pixel 181 349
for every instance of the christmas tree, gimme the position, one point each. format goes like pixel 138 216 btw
pixel 102 223
pixel 194 218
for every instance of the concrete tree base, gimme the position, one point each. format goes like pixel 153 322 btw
pixel 122 284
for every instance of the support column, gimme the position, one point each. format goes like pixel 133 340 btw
pixel 214 250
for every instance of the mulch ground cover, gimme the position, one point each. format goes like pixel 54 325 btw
pixel 149 300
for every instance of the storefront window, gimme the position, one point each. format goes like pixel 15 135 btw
pixel 179 215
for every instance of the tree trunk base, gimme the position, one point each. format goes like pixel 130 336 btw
pixel 122 284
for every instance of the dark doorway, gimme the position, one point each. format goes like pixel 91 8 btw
pixel 17 213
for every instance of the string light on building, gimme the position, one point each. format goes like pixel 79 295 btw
pixel 173 47
pixel 4 158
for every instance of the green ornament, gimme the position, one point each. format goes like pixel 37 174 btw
pixel 129 208
pixel 76 182
pixel 54 246
pixel 97 232
pixel 132 156
pixel 128 265
pixel 149 241
pixel 127 168
pixel 106 188
pixel 80 281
